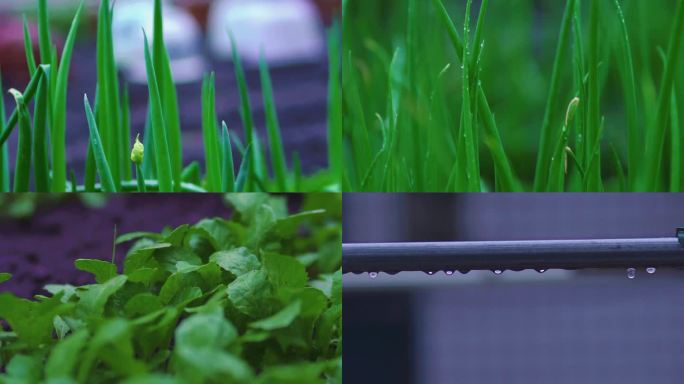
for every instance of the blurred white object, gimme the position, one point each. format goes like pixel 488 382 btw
pixel 288 31
pixel 182 35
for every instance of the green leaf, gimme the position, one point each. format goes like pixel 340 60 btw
pixel 31 321
pixel 95 297
pixel 263 222
pixel 65 356
pixel 281 319
pixel 288 226
pixel 302 373
pixel 237 261
pixel 252 294
pixel 102 270
pixel 143 304
pixel 208 330
pixel 216 366
pixel 4 276
pixel 24 369
pixel 284 271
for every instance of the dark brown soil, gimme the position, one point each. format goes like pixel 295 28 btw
pixel 42 249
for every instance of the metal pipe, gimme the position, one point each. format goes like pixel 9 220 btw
pixel 513 255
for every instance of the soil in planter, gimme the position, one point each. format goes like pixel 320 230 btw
pixel 42 249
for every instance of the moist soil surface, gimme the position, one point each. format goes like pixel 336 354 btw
pixel 42 249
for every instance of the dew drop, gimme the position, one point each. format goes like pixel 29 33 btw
pixel 449 272
pixel 631 273
pixel 430 273
pixel 651 270
pixel 498 271
pixel 373 275
pixel 540 270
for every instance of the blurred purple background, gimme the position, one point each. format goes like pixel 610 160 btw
pixel 520 327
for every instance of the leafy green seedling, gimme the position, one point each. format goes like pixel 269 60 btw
pixel 195 303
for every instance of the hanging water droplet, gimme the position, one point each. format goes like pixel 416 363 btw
pixel 430 273
pixel 449 272
pixel 540 270
pixel 631 273
pixel 373 275
pixel 651 270
pixel 498 271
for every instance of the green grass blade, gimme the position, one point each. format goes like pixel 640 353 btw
pixel 44 39
pixel 505 175
pixel 246 108
pixel 109 115
pixel 149 165
pixel 89 180
pixel 125 133
pixel 477 40
pixel 192 173
pixel 261 172
pixel 335 154
pixel 656 141
pixel 472 174
pixel 58 134
pixel 4 150
pixel 593 181
pixel 103 169
pixel 274 139
pixel 28 93
pixel 167 92
pixel 243 173
pixel 40 140
pixel 28 49
pixel 360 142
pixel 546 141
pixel 90 168
pixel 210 134
pixel 506 179
pixel 297 168
pixel 634 135
pixel 22 170
pixel 164 168
pixel 140 178
pixel 676 147
pixel 227 166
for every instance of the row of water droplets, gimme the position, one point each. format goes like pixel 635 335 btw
pixel 631 272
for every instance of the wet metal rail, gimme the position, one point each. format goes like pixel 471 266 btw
pixel 514 255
